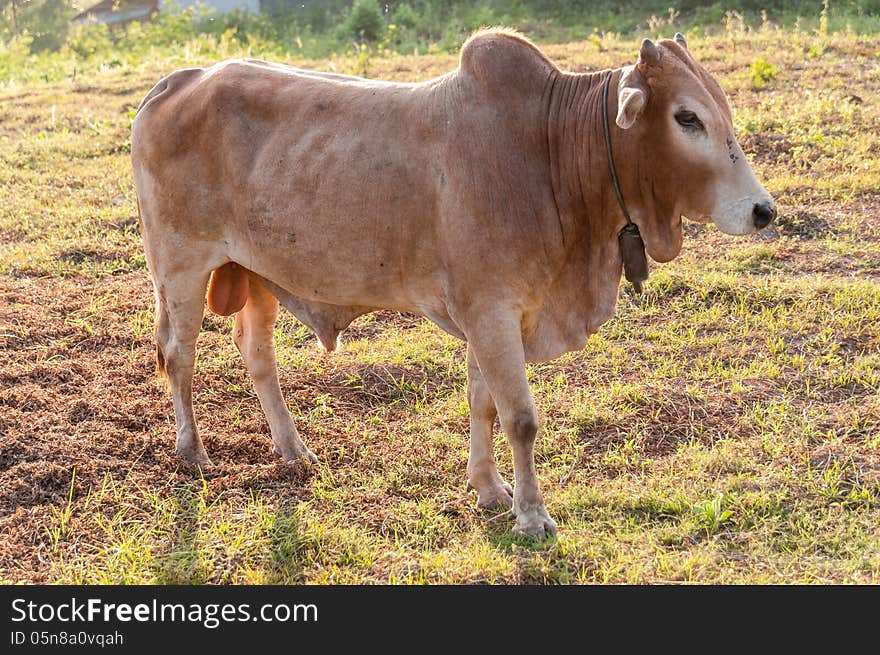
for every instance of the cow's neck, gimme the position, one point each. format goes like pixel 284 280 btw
pixel 579 168
pixel 584 292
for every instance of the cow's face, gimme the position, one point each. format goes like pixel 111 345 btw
pixel 689 162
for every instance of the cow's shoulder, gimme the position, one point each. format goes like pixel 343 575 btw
pixel 504 59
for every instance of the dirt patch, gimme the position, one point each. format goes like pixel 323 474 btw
pixel 767 147
pixel 80 401
pixel 371 385
pixel 13 235
pixel 80 255
pixel 34 483
pixel 803 224
pixel 372 324
pixel 128 225
pixel 93 90
pixel 669 420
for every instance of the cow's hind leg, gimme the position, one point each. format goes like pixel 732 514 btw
pixel 492 490
pixel 179 308
pixel 253 335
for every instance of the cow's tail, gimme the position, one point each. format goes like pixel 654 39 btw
pixel 161 318
pixel 164 88
pixel 161 373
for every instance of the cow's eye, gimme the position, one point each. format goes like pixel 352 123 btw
pixel 689 120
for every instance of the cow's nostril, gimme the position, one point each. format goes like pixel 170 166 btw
pixel 763 214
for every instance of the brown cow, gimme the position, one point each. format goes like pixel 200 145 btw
pixel 481 199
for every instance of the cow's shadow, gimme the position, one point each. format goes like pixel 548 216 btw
pixel 498 529
pixel 286 547
pixel 182 561
pixel 179 563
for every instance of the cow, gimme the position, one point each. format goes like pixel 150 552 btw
pixel 491 200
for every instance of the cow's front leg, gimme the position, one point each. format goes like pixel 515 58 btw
pixel 492 490
pixel 497 345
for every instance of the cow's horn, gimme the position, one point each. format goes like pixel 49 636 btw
pixel 648 53
pixel 679 39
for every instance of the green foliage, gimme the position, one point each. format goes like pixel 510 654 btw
pixel 365 21
pixel 45 22
pixel 318 30
pixel 711 514
pixel 404 16
pixel 87 41
pixel 762 72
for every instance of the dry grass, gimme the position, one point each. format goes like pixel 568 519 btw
pixel 723 429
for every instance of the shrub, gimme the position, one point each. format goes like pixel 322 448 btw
pixel 45 21
pixel 365 21
pixel 404 16
pixel 762 72
pixel 86 41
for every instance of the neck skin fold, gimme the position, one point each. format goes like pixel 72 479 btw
pixel 579 167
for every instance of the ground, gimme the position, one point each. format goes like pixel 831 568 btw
pixel 722 428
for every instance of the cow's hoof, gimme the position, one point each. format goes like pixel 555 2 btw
pixel 498 497
pixel 296 454
pixel 535 523
pixel 197 456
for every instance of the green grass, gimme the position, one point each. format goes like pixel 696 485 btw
pixel 723 428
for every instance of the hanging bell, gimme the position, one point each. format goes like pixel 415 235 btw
pixel 632 252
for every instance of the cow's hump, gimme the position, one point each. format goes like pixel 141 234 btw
pixel 504 59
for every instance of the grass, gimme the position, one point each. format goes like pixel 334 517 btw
pixel 723 428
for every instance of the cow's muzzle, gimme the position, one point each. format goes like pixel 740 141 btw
pixel 763 213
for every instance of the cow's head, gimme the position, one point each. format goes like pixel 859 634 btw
pixel 689 162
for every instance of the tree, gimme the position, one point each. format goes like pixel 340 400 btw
pixel 46 21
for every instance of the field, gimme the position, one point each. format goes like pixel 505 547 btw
pixel 723 428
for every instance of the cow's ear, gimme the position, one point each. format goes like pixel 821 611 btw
pixel 649 54
pixel 632 96
pixel 680 40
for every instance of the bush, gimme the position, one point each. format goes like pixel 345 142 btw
pixel 762 72
pixel 404 16
pixel 45 21
pixel 87 41
pixel 365 21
